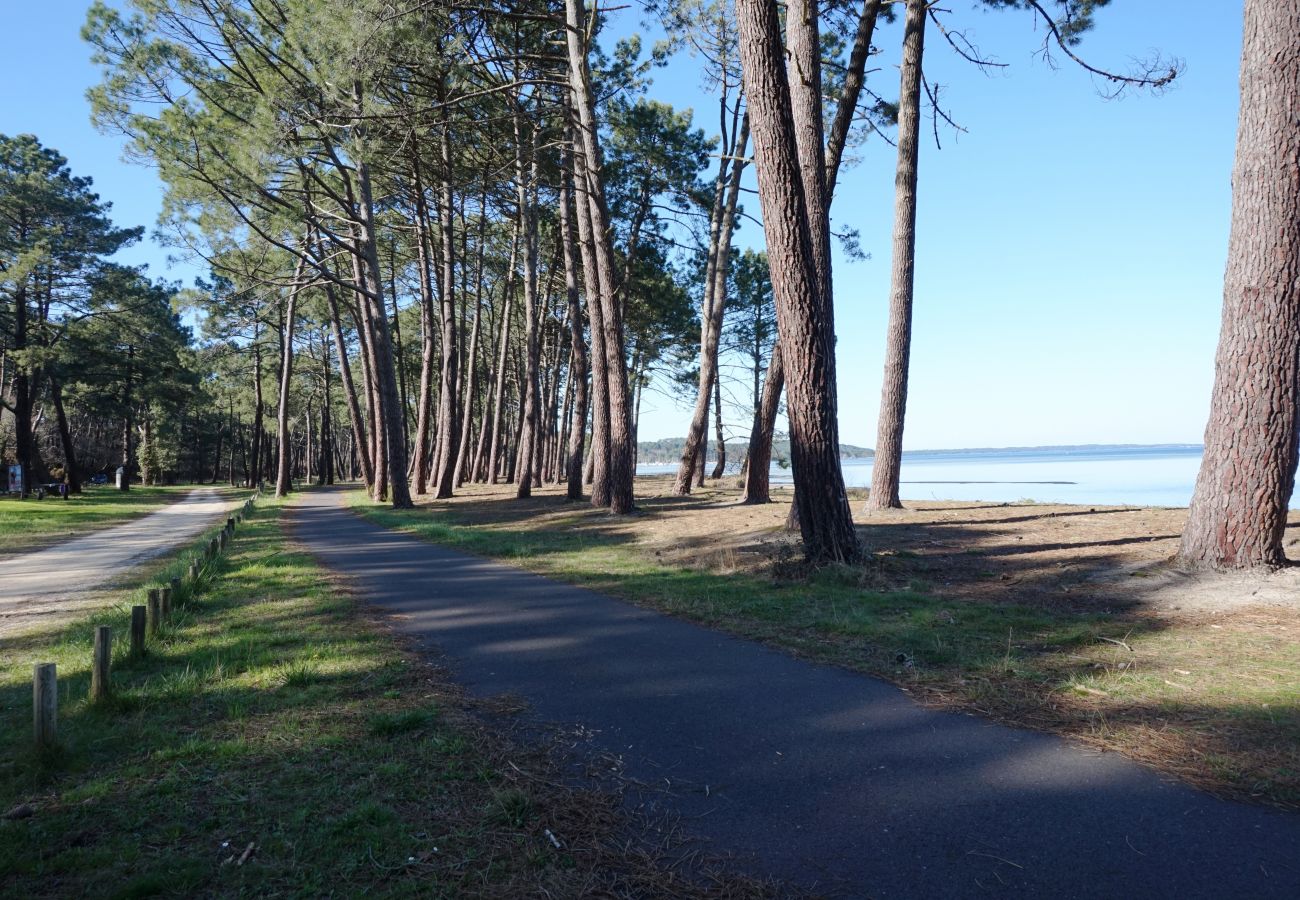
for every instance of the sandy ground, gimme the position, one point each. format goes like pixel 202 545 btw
pixel 59 583
pixel 1109 558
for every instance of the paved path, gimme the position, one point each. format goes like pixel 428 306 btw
pixel 59 583
pixel 817 776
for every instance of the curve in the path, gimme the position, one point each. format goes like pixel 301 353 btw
pixel 817 776
pixel 57 583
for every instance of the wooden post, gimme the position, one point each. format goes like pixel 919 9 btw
pixel 194 571
pixel 155 610
pixel 137 631
pixel 45 704
pixel 213 547
pixel 175 582
pixel 166 596
pixel 230 525
pixel 99 674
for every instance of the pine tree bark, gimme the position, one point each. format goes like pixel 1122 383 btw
pixel 888 460
pixel 448 422
pixel 805 322
pixel 283 474
pixel 578 368
pixel 1238 513
pixel 622 448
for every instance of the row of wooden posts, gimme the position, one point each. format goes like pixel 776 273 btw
pixel 146 622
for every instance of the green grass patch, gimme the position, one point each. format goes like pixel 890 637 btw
pixel 1217 706
pixel 270 715
pixel 32 523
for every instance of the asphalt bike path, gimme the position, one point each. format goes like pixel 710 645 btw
pixel 822 778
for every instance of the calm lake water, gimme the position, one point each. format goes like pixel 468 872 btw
pixel 1131 476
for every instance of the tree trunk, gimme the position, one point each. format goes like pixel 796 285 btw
pixel 448 423
pixel 721 465
pixel 70 476
pixel 1239 509
pixel 803 311
pixel 578 368
pixel 284 475
pixel 622 450
pixel 715 297
pixel 503 349
pixel 898 341
pixel 758 460
pixel 529 437
pixel 424 409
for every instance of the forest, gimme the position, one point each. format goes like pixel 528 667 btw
pixel 454 244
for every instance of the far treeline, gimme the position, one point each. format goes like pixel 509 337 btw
pixel 456 243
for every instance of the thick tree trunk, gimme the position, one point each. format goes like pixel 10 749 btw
pixel 803 310
pixel 1239 509
pixel 898 340
pixel 622 449
pixel 597 470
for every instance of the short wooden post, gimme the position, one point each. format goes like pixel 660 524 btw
pixel 166 596
pixel 213 548
pixel 230 525
pixel 99 674
pixel 45 704
pixel 155 610
pixel 194 571
pixel 175 582
pixel 137 630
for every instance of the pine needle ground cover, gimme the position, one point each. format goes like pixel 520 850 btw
pixel 30 524
pixel 274 742
pixel 995 609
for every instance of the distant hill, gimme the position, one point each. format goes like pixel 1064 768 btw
pixel 668 451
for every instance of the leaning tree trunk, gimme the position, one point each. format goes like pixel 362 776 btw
pixel 1239 509
pixel 715 300
pixel 803 310
pixel 898 340
pixel 758 460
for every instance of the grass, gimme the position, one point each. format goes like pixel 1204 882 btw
pixel 1215 703
pixel 31 523
pixel 273 742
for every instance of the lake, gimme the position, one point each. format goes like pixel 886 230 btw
pixel 1110 476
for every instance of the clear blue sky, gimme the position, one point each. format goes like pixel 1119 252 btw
pixel 1070 253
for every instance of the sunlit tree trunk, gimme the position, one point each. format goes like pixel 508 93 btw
pixel 1239 509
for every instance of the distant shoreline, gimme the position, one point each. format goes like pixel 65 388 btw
pixel 668 451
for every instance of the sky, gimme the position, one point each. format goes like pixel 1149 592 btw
pixel 1070 249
